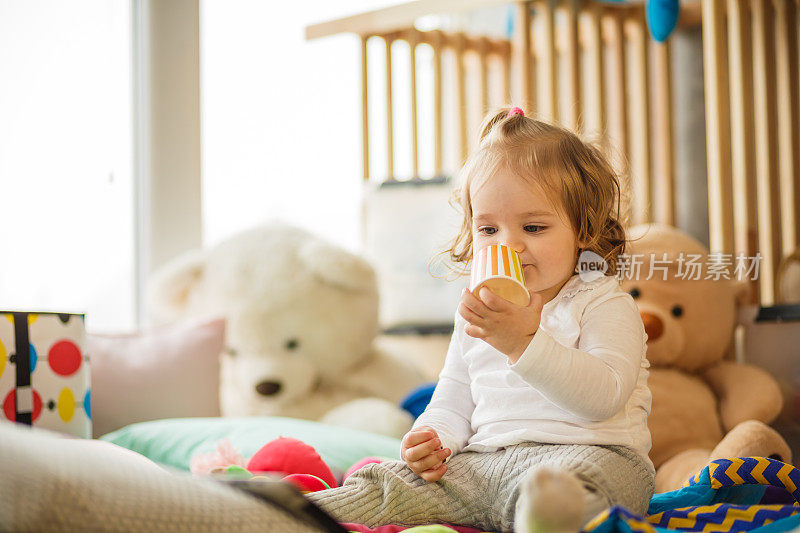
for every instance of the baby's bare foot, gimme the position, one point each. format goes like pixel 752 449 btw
pixel 551 501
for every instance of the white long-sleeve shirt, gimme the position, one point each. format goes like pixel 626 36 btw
pixel 581 380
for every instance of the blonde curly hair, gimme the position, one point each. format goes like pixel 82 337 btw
pixel 573 173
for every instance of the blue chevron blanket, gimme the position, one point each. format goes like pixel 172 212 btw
pixel 725 496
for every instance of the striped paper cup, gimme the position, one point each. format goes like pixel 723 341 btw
pixel 498 268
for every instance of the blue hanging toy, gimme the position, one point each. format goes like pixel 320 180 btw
pixel 662 16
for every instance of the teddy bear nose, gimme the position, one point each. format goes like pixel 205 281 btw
pixel 652 326
pixel 268 388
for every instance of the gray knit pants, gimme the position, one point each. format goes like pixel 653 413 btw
pixel 480 489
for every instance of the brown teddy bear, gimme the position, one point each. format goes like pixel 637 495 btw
pixel 704 405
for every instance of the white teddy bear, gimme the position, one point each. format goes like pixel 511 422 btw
pixel 302 315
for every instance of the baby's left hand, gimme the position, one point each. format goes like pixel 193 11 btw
pixel 507 327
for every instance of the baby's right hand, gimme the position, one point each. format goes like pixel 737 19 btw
pixel 422 451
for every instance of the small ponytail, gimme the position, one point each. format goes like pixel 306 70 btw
pixel 510 117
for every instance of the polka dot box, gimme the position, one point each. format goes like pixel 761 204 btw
pixel 44 372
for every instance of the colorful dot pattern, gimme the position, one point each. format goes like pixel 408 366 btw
pixel 59 395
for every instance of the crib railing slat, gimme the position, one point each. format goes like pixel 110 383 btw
pixel 364 108
pixel 786 58
pixel 640 120
pixel 523 58
pixel 505 87
pixel 619 87
pixel 546 60
pixel 389 112
pixel 767 186
pixel 412 39
pixel 597 72
pixel 461 95
pixel 664 179
pixel 437 102
pixel 483 75
pixel 720 216
pixel 740 64
pixel 572 102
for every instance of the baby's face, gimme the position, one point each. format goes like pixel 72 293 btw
pixel 507 210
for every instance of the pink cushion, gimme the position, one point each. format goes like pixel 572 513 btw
pixel 363 462
pixel 167 372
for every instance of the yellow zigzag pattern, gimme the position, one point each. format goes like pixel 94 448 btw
pixel 690 521
pixel 693 480
pixel 783 475
pixel 732 472
pixel 597 520
pixel 758 472
pixel 644 527
pixel 635 525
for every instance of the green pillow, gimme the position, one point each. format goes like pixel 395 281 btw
pixel 173 442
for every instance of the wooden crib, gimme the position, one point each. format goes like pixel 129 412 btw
pixel 592 66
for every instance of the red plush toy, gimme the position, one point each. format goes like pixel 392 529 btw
pixel 297 462
pixel 289 456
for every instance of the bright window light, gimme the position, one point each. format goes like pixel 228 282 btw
pixel 66 190
pixel 281 118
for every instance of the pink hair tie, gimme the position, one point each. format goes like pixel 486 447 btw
pixel 515 111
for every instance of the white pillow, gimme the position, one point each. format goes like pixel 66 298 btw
pixel 166 372
pixel 407 224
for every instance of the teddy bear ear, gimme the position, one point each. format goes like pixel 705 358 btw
pixel 170 287
pixel 338 267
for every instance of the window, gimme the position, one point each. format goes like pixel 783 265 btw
pixel 66 189
pixel 281 119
